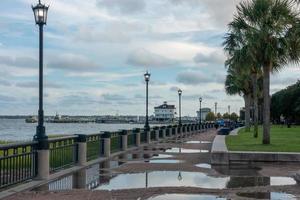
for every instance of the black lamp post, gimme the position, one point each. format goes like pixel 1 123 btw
pixel 179 94
pixel 40 15
pixel 200 111
pixel 147 79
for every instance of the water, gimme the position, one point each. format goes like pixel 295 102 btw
pixel 18 129
pixel 183 150
pixel 164 179
pixel 268 195
pixel 163 161
pixel 185 196
pixel 204 165
pixel 198 142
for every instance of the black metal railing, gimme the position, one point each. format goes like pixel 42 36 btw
pixel 95 146
pixel 131 139
pixel 17 163
pixel 63 152
pixel 115 142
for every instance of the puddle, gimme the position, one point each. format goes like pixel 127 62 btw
pixel 282 181
pixel 65 183
pixel 185 197
pixel 157 156
pixel 268 195
pixel 193 142
pixel 198 142
pixel 164 179
pixel 164 161
pixel 237 182
pixel 182 150
pixel 204 165
pixel 110 164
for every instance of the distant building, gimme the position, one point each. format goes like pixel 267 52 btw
pixel 204 112
pixel 164 112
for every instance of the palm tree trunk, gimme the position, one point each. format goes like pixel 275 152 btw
pixel 255 103
pixel 266 92
pixel 247 111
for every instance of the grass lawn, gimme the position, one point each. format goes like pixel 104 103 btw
pixel 283 139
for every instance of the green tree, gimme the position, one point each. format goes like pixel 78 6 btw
pixel 219 116
pixel 234 116
pixel 238 82
pixel 226 116
pixel 272 32
pixel 210 116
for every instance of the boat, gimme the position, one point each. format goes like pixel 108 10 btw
pixel 31 119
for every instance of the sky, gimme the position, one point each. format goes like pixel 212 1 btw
pixel 96 52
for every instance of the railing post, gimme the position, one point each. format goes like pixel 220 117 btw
pixel 148 134
pixel 43 160
pixel 163 129
pixel 124 140
pixel 156 133
pixel 176 131
pixel 169 129
pixel 137 136
pixel 82 149
pixel 106 143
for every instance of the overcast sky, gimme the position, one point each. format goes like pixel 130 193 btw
pixel 96 52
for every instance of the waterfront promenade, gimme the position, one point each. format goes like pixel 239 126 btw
pixel 171 168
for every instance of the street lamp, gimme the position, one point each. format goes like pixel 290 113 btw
pixel 179 94
pixel 147 79
pixel 40 15
pixel 200 111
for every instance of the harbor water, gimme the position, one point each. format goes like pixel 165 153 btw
pixel 19 130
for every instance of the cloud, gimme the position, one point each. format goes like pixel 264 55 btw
pixel 32 84
pixel 142 57
pixel 192 78
pixel 21 62
pixel 4 98
pixel 197 96
pixel 71 100
pixel 174 89
pixel 215 57
pixel 71 62
pixel 113 97
pixel 220 12
pixel 123 6
pixel 5 82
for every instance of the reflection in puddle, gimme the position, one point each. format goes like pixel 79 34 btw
pixel 282 181
pixel 268 195
pixel 185 197
pixel 182 150
pixel 198 142
pixel 204 165
pixel 236 182
pixel 164 161
pixel 157 156
pixel 65 183
pixel 164 179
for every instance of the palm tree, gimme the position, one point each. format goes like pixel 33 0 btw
pixel 238 83
pixel 268 31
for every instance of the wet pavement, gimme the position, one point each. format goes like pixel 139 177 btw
pixel 174 170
